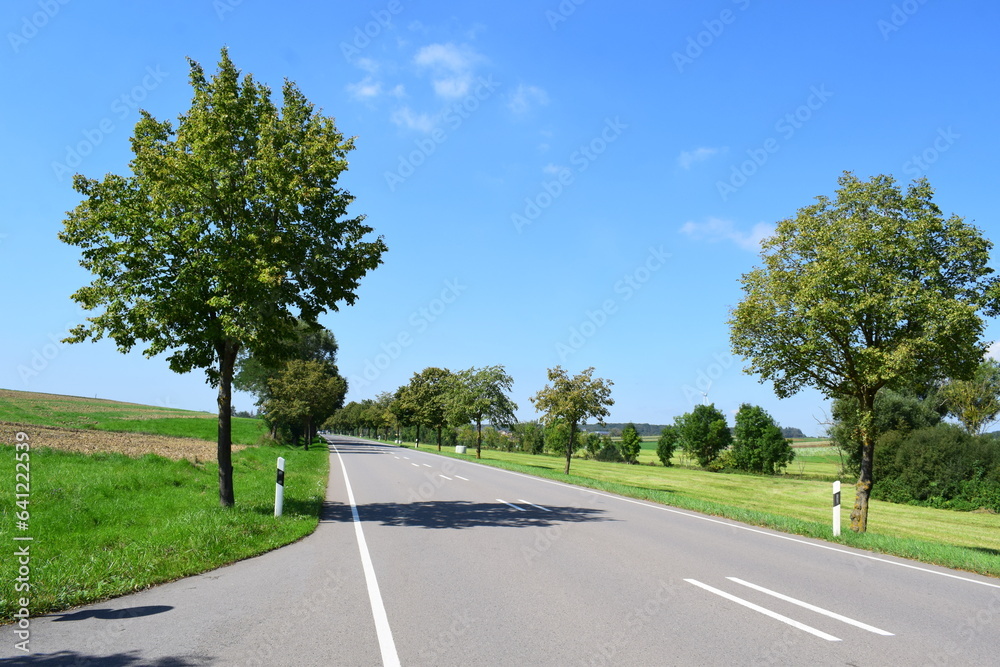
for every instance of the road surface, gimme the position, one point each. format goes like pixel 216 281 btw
pixel 426 560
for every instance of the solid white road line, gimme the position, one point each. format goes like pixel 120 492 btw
pixel 766 612
pixel 385 642
pixel 522 500
pixel 811 607
pixel 519 509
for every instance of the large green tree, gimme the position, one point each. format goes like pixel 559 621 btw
pixel 874 288
pixel 479 394
pixel 230 228
pixel 573 400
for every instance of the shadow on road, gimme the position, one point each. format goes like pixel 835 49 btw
pixel 111 614
pixel 462 514
pixel 128 659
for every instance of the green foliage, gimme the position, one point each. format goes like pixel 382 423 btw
pixel 873 289
pixel 975 402
pixel 529 437
pixel 231 226
pixel 424 400
pixel 758 445
pixel 556 437
pixel 306 393
pixel 631 444
pixel 479 394
pixel 893 411
pixel 573 400
pixel 703 433
pixel 941 466
pixel 666 444
pixel 609 452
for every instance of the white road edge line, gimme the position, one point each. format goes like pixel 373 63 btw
pixel 739 526
pixel 385 642
pixel 812 607
pixel 766 612
pixel 522 500
pixel 519 509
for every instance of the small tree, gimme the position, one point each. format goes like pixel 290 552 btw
pixel 703 433
pixel 478 394
pixel 976 402
pixel 631 444
pixel 666 444
pixel 758 445
pixel 307 392
pixel 574 400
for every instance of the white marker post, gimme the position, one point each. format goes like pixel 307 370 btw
pixel 836 509
pixel 279 488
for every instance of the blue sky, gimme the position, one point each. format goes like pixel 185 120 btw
pixel 576 183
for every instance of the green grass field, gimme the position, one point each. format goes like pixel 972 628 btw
pixel 797 502
pixel 104 415
pixel 105 524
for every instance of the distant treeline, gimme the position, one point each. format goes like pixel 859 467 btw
pixel 656 429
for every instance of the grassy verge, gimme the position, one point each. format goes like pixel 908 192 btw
pixel 104 525
pixel 960 540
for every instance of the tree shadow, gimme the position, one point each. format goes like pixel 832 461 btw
pixel 463 514
pixel 111 614
pixel 128 659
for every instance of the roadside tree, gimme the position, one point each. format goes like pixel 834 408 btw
pixel 703 433
pixel 758 445
pixel 873 289
pixel 479 394
pixel 975 402
pixel 631 444
pixel 574 400
pixel 231 226
pixel 666 444
pixel 306 392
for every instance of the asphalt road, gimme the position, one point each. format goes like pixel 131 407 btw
pixel 444 562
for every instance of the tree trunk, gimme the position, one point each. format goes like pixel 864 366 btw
pixel 226 352
pixel 309 432
pixel 859 515
pixel 439 437
pixel 479 439
pixel 569 445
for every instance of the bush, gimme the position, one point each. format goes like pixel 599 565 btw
pixel 666 445
pixel 631 444
pixel 609 453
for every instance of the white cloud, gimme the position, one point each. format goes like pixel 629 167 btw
pixel 993 351
pixel 687 158
pixel 404 117
pixel 714 230
pixel 367 64
pixel 451 67
pixel 525 97
pixel 365 89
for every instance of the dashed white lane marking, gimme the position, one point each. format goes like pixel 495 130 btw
pixel 445 476
pixel 522 500
pixel 390 658
pixel 519 509
pixel 414 465
pixel 811 607
pixel 766 612
pixel 427 465
pixel 460 477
